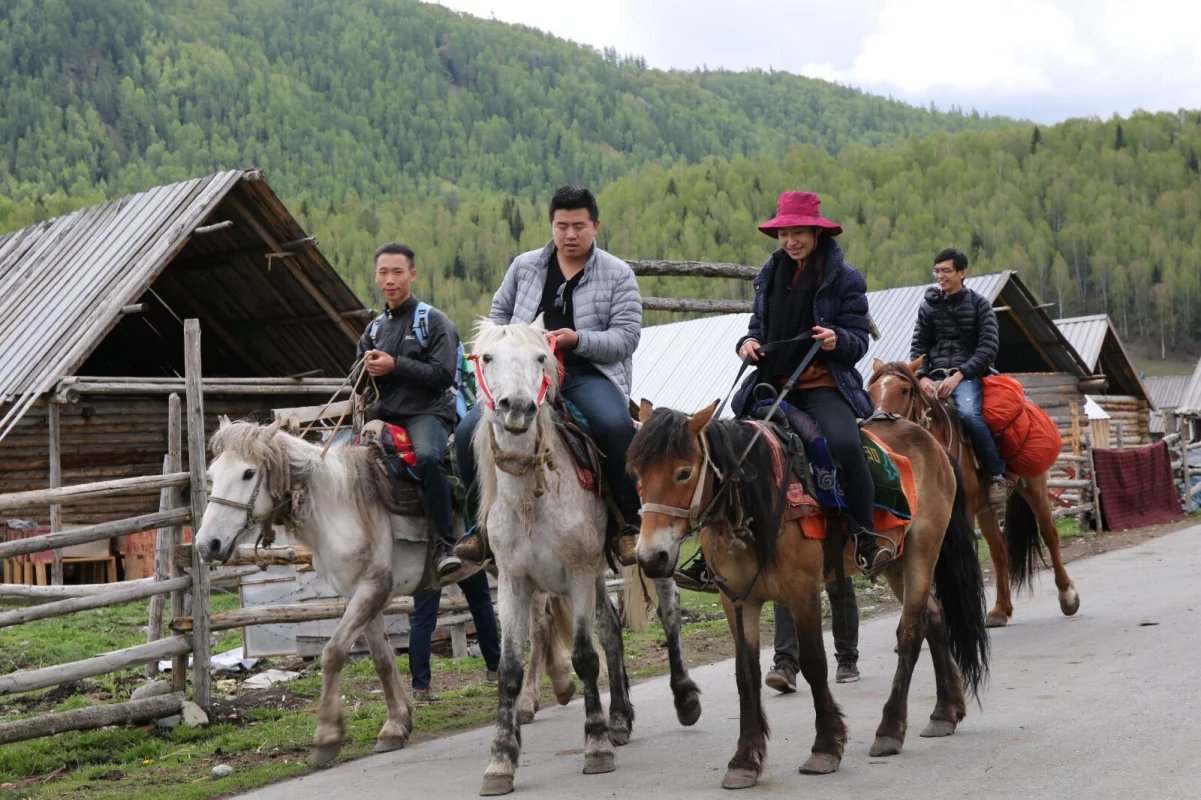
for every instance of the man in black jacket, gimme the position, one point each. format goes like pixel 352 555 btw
pixel 957 333
pixel 414 380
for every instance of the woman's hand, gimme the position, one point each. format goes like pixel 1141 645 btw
pixel 827 337
pixel 749 350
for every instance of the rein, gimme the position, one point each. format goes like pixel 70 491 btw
pixel 921 410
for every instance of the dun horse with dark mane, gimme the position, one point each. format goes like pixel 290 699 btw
pixel 894 389
pixel 694 480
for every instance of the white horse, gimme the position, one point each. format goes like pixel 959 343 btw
pixel 333 503
pixel 547 533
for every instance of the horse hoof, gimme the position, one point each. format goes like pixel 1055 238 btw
pixel 325 753
pixel 386 744
pixel 1069 601
pixel 564 697
pixel 496 784
pixel 524 716
pixel 885 746
pixel 688 708
pixel 996 619
pixel 619 733
pixel 599 763
pixel 938 727
pixel 739 778
pixel 820 764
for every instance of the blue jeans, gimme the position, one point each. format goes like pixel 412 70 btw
pixel 844 624
pixel 429 435
pixel 608 415
pixel 425 619
pixel 969 402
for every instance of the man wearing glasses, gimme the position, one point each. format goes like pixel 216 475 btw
pixel 590 304
pixel 957 333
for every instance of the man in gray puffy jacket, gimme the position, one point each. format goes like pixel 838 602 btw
pixel 957 333
pixel 589 302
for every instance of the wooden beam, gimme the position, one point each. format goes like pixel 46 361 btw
pixel 692 268
pixel 298 272
pixel 201 649
pixel 87 491
pixel 698 306
pixel 301 612
pixel 18 593
pixel 216 226
pixel 126 593
pixel 93 533
pixel 82 719
pixel 132 308
pixel 56 482
pixel 136 656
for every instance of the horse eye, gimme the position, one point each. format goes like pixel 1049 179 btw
pixel 487 359
pixel 248 474
pixel 683 474
pixel 542 358
pixel 905 392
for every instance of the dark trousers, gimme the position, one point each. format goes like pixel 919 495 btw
pixel 844 623
pixel 608 415
pixel 425 619
pixel 429 435
pixel 841 428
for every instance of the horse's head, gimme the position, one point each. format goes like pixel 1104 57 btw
pixel 893 388
pixel 516 371
pixel 667 456
pixel 249 475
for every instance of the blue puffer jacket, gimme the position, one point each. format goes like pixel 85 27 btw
pixel 840 304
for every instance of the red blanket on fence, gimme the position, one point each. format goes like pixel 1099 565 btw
pixel 1136 486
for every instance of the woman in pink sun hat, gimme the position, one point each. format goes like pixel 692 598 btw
pixel 806 286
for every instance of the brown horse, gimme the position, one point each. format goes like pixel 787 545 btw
pixel 894 389
pixel 694 480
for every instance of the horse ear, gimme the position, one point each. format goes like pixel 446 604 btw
pixel 223 421
pixel 539 323
pixel 273 428
pixel 877 364
pixel 917 362
pixel 701 419
pixel 645 409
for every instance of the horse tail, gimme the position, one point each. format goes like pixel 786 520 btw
pixel 1021 535
pixel 959 587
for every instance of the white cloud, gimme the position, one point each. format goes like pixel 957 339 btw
pixel 1041 59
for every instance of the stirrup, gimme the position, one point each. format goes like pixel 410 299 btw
pixel 884 554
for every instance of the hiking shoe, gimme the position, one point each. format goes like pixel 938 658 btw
pixel 782 678
pixel 696 576
pixel 870 555
pixel 491 678
pixel 445 561
pixel 998 492
pixel 847 672
pixel 471 547
pixel 425 695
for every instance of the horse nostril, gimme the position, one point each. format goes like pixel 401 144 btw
pixel 503 404
pixel 214 547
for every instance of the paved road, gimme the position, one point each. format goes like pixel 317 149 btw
pixel 1106 704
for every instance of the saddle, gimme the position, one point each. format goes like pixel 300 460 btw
pixel 392 452
pixel 572 426
pixel 815 490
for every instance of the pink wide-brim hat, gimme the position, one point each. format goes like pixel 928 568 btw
pixel 796 209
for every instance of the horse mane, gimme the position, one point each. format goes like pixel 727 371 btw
pixel 487 335
pixel 665 435
pixel 294 464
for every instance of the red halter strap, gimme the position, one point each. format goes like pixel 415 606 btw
pixel 543 390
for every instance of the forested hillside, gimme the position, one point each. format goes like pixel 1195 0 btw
pixel 391 119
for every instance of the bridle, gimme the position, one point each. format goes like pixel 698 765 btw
pixel 919 409
pixel 266 534
pixel 696 516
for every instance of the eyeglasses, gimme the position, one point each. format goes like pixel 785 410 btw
pixel 939 272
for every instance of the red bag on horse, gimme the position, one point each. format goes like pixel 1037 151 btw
pixel 1028 438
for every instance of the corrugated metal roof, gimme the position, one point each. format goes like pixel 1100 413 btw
pixel 1087 335
pixel 685 365
pixel 1190 401
pixel 64 281
pixel 1167 391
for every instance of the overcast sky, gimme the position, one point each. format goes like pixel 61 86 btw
pixel 1045 60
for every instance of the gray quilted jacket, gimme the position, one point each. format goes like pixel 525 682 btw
pixel 608 308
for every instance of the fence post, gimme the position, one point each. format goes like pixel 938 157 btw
pixel 201 678
pixel 56 482
pixel 1092 478
pixel 166 542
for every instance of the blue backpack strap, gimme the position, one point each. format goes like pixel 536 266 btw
pixel 373 329
pixel 421 323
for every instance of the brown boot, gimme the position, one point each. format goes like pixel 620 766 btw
pixel 998 492
pixel 623 545
pixel 472 546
